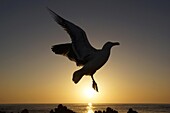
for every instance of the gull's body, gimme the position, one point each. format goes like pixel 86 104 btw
pixel 81 51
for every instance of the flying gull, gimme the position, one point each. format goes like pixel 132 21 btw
pixel 81 51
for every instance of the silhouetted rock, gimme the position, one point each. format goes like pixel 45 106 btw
pixel 131 111
pixel 61 109
pixel 108 110
pixel 25 111
pixel 51 111
pixel 2 112
pixel 98 111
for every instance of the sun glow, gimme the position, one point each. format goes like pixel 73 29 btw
pixel 89 92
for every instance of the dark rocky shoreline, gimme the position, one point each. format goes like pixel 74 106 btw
pixel 64 109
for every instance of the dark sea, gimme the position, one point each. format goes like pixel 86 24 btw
pixel 87 108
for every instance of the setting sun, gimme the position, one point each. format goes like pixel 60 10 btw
pixel 89 92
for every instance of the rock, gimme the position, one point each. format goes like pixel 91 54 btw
pixel 51 111
pixel 131 111
pixel 25 111
pixel 98 111
pixel 108 110
pixel 2 112
pixel 61 109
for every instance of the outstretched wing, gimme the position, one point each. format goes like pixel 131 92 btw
pixel 67 50
pixel 80 43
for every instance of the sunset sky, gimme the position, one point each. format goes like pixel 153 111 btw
pixel 138 71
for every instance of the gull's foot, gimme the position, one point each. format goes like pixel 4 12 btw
pixel 94 85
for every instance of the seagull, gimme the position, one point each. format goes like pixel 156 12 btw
pixel 81 51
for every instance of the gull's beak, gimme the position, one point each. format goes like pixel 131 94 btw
pixel 116 43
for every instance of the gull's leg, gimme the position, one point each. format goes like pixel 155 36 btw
pixel 94 85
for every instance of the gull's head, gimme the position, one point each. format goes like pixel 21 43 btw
pixel 109 45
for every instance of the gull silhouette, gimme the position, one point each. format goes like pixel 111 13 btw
pixel 81 51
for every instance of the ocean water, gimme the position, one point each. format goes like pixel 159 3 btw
pixel 87 108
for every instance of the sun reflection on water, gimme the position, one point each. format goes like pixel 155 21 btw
pixel 90 108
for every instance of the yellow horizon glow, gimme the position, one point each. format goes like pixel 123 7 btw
pixel 111 90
